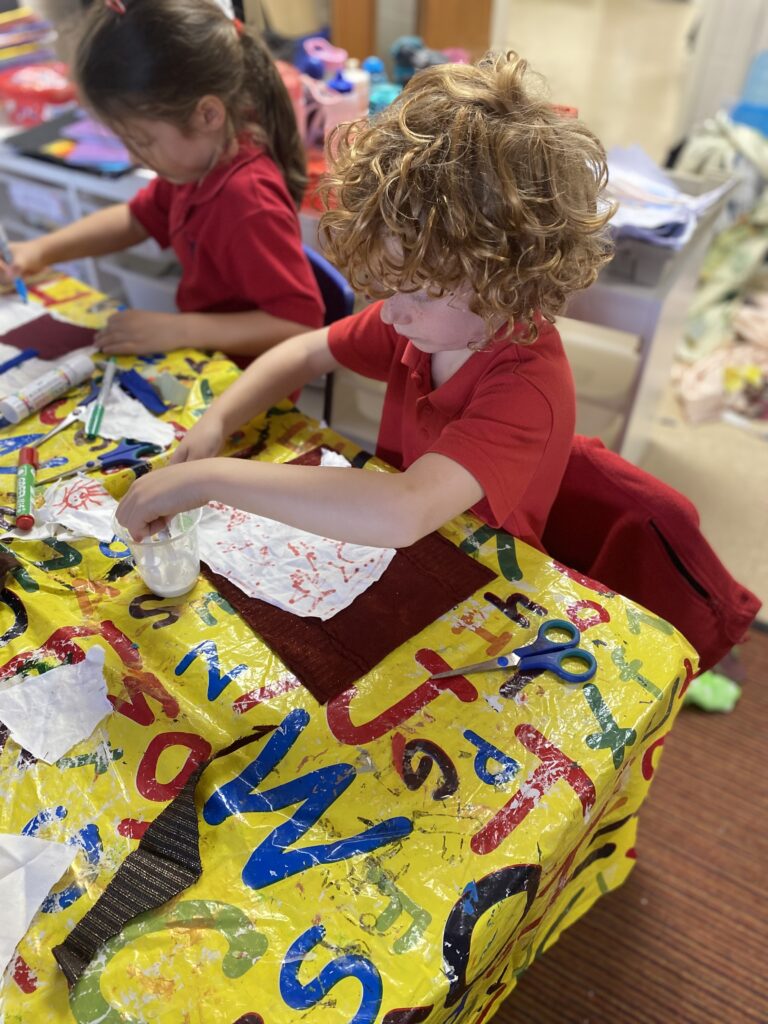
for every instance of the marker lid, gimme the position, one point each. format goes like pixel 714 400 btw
pixel 28 456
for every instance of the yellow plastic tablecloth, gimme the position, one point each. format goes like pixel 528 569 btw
pixel 492 815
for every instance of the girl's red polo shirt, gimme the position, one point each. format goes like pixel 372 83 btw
pixel 507 415
pixel 237 237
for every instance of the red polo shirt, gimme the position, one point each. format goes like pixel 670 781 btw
pixel 507 415
pixel 236 234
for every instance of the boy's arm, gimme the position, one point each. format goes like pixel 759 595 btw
pixel 136 331
pixel 105 231
pixel 364 507
pixel 381 509
pixel 275 374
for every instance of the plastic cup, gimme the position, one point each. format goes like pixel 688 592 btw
pixel 168 561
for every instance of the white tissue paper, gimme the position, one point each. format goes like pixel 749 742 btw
pixel 82 506
pixel 29 867
pixel 72 510
pixel 291 569
pixel 49 714
pixel 125 417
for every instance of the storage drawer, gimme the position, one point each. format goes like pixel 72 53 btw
pixel 605 362
pixel 41 205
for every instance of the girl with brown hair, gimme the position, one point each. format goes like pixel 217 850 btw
pixel 197 99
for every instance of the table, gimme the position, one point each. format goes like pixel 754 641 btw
pixel 455 829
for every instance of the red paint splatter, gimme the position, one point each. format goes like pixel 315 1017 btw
pixel 24 976
pixel 132 828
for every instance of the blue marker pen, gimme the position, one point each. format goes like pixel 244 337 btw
pixel 5 252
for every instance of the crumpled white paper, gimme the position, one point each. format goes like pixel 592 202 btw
pixel 72 510
pixel 48 714
pixel 29 867
pixel 291 569
pixel 82 506
pixel 125 417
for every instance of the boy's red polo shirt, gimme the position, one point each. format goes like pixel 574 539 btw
pixel 237 237
pixel 507 415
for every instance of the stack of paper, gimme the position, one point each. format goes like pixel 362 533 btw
pixel 651 207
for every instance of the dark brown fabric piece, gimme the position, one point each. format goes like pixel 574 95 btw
pixel 421 583
pixel 52 338
pixel 165 863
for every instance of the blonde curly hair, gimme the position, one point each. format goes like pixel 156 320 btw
pixel 478 179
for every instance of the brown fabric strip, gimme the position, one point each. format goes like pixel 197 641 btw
pixel 421 583
pixel 165 863
pixel 52 338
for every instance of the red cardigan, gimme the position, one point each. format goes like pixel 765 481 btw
pixel 621 526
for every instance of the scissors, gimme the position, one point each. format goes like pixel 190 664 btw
pixel 68 420
pixel 127 455
pixel 542 653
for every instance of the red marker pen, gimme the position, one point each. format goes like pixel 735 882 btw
pixel 25 488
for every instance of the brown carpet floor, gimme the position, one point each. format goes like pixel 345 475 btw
pixel 684 941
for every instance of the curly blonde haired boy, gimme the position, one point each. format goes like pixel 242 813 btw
pixel 479 180
pixel 471 208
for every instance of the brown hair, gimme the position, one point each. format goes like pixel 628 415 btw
pixel 160 57
pixel 478 179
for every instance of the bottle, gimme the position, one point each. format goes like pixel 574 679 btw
pixel 342 105
pixel 375 68
pixel 361 82
pixel 333 57
pixel 382 94
pixel 70 372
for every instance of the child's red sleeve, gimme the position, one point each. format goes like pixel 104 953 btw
pixel 364 343
pixel 150 207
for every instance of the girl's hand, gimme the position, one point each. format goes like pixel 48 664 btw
pixel 136 332
pixel 154 499
pixel 28 258
pixel 203 441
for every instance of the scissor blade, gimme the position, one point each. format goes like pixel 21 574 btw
pixel 64 475
pixel 479 666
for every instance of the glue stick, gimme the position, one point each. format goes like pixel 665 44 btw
pixel 71 371
pixel 25 488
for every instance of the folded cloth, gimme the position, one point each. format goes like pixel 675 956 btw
pixel 421 583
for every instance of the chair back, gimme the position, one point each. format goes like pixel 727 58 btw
pixel 337 295
pixel 339 302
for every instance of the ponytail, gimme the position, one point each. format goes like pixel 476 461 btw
pixel 272 111
pixel 158 58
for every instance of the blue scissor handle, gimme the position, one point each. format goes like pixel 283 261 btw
pixel 551 654
pixel 128 454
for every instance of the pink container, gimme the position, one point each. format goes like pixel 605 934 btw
pixel 291 77
pixel 333 57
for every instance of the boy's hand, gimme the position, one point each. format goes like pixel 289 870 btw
pixel 154 499
pixel 136 332
pixel 28 258
pixel 204 441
